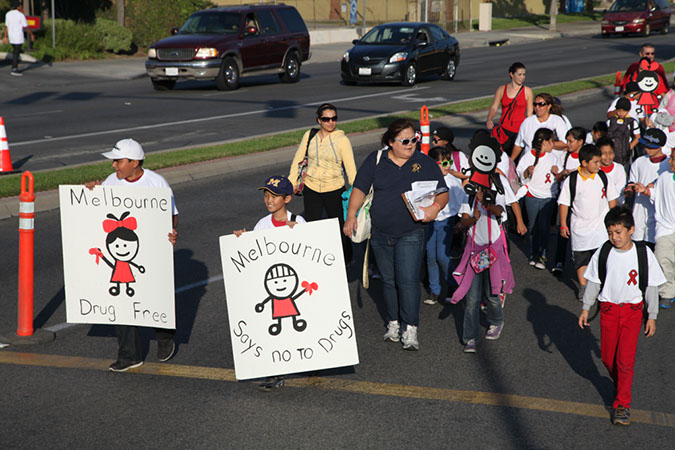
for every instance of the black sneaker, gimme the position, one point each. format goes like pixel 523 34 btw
pixel 271 383
pixel 123 366
pixel 621 416
pixel 16 73
pixel 165 349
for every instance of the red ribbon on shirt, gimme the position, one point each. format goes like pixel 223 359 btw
pixel 604 193
pixel 548 178
pixel 633 277
pixel 110 225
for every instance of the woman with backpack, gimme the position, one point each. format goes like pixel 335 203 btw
pixel 317 170
pixel 515 100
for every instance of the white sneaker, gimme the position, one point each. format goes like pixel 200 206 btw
pixel 393 329
pixel 409 338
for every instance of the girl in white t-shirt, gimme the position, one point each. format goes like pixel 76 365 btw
pixel 537 169
pixel 547 114
pixel 439 239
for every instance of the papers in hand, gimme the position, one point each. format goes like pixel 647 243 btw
pixel 421 195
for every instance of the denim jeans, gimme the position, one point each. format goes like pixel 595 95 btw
pixel 438 252
pixel 399 260
pixel 539 212
pixel 479 290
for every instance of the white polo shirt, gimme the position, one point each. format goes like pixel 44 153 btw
pixel 531 124
pixel 622 282
pixel 15 22
pixel 591 204
pixel 542 183
pixel 644 171
pixel 663 197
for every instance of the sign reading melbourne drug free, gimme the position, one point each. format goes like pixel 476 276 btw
pixel 288 300
pixel 117 258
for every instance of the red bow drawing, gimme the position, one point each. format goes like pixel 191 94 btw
pixel 310 287
pixel 633 277
pixel 97 252
pixel 110 225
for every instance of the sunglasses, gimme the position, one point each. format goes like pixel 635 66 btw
pixel 436 139
pixel 408 141
pixel 328 119
pixel 541 104
pixel 649 54
pixel 443 163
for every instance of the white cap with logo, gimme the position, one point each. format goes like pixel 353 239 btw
pixel 126 148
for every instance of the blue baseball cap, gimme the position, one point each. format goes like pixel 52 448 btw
pixel 278 185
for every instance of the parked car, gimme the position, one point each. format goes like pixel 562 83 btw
pixel 401 52
pixel 636 16
pixel 224 44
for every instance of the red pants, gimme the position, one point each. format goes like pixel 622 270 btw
pixel 619 331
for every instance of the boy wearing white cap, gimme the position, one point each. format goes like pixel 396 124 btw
pixel 127 159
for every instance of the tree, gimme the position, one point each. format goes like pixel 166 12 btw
pixel 553 13
pixel 120 11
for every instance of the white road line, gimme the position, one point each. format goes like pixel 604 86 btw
pixel 39 113
pixel 206 119
pixel 63 325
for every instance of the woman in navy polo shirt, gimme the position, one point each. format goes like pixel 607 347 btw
pixel 397 240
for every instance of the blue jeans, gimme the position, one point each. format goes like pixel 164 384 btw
pixel 539 212
pixel 480 289
pixel 399 260
pixel 438 252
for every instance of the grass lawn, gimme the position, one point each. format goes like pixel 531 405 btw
pixel 502 23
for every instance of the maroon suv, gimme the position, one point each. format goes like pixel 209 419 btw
pixel 224 44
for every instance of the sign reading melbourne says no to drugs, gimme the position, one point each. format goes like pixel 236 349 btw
pixel 288 300
pixel 117 258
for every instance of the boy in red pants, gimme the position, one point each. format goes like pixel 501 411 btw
pixel 622 274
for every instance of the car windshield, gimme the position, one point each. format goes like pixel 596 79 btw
pixel 628 5
pixel 389 34
pixel 212 22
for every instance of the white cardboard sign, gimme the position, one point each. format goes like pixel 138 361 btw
pixel 288 300
pixel 117 258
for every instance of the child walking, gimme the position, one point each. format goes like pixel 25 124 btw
pixel 439 241
pixel 624 131
pixel 588 193
pixel 278 194
pixel 616 276
pixel 538 169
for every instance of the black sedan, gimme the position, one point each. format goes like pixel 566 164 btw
pixel 401 52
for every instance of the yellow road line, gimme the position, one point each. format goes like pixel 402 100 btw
pixel 357 387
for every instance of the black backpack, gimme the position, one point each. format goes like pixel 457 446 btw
pixel 621 134
pixel 573 184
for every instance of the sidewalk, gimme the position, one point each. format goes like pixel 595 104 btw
pixel 335 41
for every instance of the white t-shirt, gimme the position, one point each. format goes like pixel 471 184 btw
pixel 456 194
pixel 633 108
pixel 663 196
pixel 644 171
pixel 266 222
pixel 617 176
pixel 622 282
pixel 463 161
pixel 542 183
pixel 148 179
pixel 572 162
pixel 591 204
pixel 15 22
pixel 531 124
pixel 480 228
pixel 504 163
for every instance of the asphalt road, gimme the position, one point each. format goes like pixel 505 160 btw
pixel 59 395
pixel 56 119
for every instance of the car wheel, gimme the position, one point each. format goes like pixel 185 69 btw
pixel 228 77
pixel 162 85
pixel 647 30
pixel 450 70
pixel 291 73
pixel 410 75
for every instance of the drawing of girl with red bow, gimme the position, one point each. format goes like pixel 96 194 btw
pixel 122 244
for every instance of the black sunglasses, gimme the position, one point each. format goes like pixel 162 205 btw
pixel 542 104
pixel 328 119
pixel 408 141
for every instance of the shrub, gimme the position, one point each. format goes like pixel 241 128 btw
pixel 152 20
pixel 73 41
pixel 116 38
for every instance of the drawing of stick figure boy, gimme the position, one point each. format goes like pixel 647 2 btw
pixel 122 244
pixel 281 283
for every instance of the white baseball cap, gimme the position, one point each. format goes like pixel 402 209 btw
pixel 126 148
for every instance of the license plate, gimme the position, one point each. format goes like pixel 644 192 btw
pixel 365 71
pixel 171 71
pixel 618 28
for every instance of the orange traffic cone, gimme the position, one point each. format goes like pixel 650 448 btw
pixel 5 158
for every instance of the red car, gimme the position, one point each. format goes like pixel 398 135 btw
pixel 636 16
